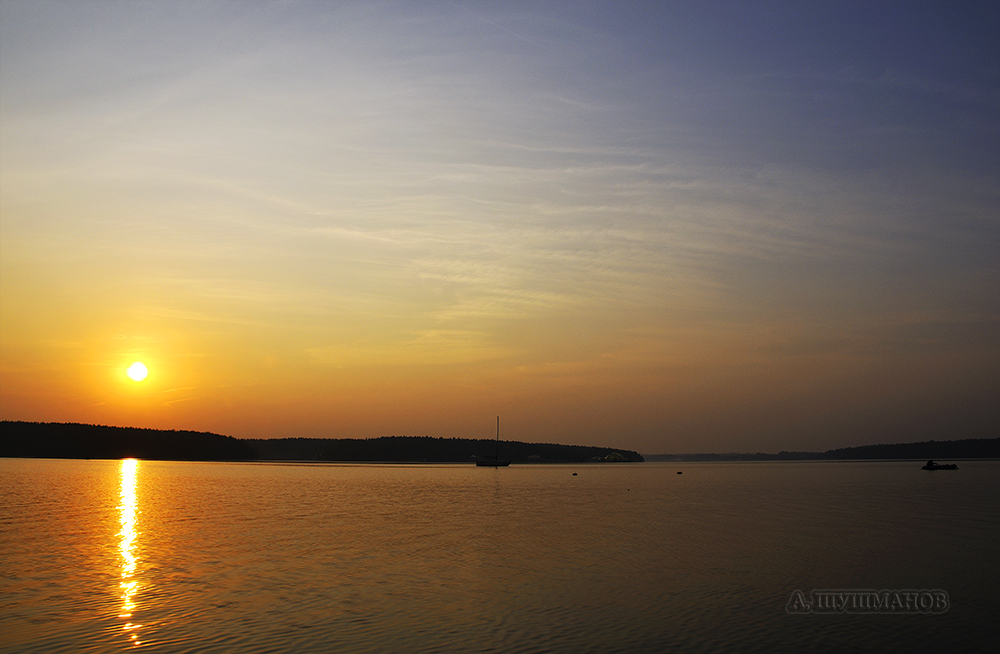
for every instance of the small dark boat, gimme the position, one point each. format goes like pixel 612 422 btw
pixel 939 466
pixel 494 461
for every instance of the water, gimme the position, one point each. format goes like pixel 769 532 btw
pixel 111 555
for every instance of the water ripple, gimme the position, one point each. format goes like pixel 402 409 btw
pixel 259 558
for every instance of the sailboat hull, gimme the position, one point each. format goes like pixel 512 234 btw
pixel 490 463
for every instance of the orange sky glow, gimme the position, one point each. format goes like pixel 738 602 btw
pixel 343 221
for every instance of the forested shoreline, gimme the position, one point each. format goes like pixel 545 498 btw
pixel 80 441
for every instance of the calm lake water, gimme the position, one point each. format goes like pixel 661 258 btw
pixel 212 557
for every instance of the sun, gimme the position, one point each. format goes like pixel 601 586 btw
pixel 137 371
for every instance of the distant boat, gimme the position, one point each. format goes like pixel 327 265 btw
pixel 939 466
pixel 494 461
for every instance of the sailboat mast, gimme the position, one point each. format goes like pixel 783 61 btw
pixel 498 438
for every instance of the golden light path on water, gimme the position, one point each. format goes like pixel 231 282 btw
pixel 127 508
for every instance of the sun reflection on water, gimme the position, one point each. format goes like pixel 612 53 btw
pixel 127 509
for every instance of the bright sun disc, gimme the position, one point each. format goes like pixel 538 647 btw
pixel 137 371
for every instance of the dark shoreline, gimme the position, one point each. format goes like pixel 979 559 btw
pixel 77 441
pixel 968 448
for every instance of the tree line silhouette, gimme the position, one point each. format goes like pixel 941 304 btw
pixel 79 441
pixel 968 448
pixel 76 441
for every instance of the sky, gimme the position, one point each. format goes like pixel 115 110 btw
pixel 667 227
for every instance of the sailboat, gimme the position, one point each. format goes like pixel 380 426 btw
pixel 494 461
